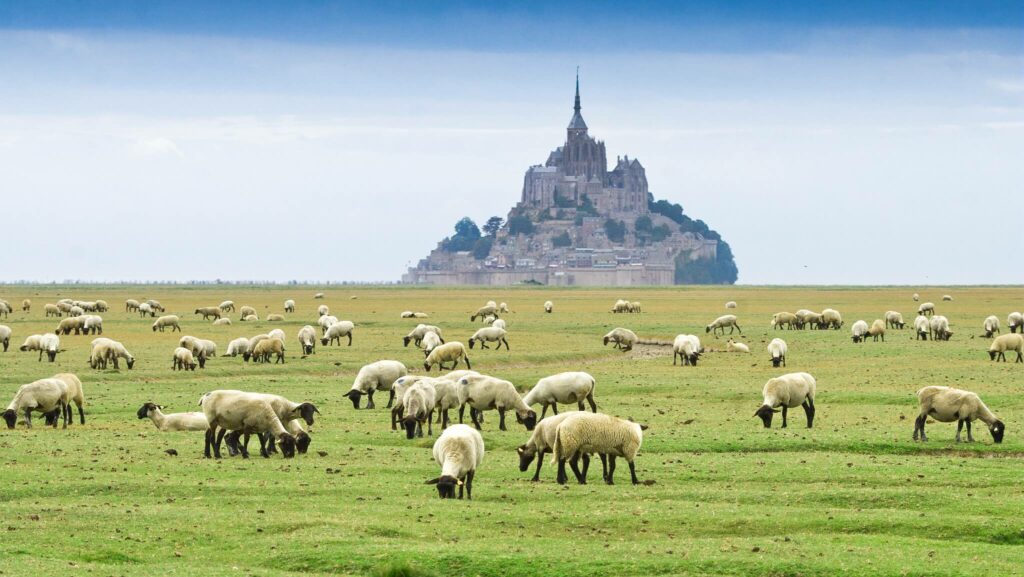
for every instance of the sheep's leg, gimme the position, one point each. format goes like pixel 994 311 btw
pixel 469 485
pixel 543 410
pixel 430 426
pixel 506 345
pixel 501 421
pixel 369 397
pixel 81 413
pixel 395 415
pixel 574 464
pixel 561 478
pixel 959 427
pixel 209 441
pixel 632 473
pixel 590 401
pixel 391 399
pixel 472 414
pixel 586 467
pixel 462 412
pixel 65 409
pixel 349 340
pixel 604 466
pixel 674 355
pixel 444 419
pixel 1020 358
pixel 785 409
pixel 540 463
pixel 738 329
pixel 970 438
pixel 609 479
pixel 809 411
pixel 467 363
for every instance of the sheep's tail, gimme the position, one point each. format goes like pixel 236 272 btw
pixel 559 449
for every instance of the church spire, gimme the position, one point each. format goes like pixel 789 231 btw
pixel 576 125
pixel 577 106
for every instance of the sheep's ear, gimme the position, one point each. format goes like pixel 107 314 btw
pixel 433 481
pixel 459 482
pixel 644 427
pixel 519 450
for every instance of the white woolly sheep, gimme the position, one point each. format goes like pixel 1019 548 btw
pixel 323 310
pixel 489 335
pixel 43 396
pixel 398 390
pixel 276 334
pixel 459 451
pixel 859 329
pixel 484 312
pixel 430 342
pixel 830 318
pixel 224 321
pixel 721 323
pixel 922 327
pixel 624 339
pixel 5 336
pixel 893 319
pixel 687 349
pixel 289 306
pixel 1002 344
pixel 75 395
pixel 451 352
pixel 131 305
pixel 275 318
pixel 946 404
pixel 227 306
pixel 484 392
pixel 1015 321
pixel 947 298
pixel 76 311
pixel 247 354
pixel 927 309
pixel 175 421
pixel 265 348
pixel 250 318
pixel 336 331
pixel 620 306
pixel 418 407
pixel 106 350
pixel 735 347
pixel 503 308
pixel 939 326
pixel 877 330
pixel 183 360
pixel 245 311
pixel 916 297
pixel 245 413
pixel 291 415
pixel 307 340
pixel 549 306
pixel 318 296
pixel 51 310
pixel 543 441
pixel 145 309
pixel 26 305
pixel 416 335
pixel 566 388
pixel 778 349
pixel 325 322
pixel 499 324
pixel 378 376
pixel 92 324
pixel 47 343
pixel 788 391
pixel 991 325
pixel 208 312
pixel 202 348
pixel 730 305
pixel 239 346
pixel 69 324
pixel 156 306
pixel 582 433
pixel 783 319
pixel 167 321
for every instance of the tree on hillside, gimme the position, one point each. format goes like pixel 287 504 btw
pixel 466 235
pixel 520 224
pixel 493 225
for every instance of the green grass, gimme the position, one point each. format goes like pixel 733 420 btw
pixel 853 496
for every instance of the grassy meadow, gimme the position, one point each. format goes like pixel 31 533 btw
pixel 853 496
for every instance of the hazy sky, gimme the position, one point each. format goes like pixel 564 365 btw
pixel 873 144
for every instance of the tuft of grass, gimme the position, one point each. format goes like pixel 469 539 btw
pixel 400 569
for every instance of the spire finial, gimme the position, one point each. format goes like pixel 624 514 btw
pixel 577 106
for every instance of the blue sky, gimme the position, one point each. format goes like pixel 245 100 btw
pixel 870 143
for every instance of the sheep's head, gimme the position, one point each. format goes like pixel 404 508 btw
pixel 287 444
pixel 997 429
pixel 192 366
pixel 23 348
pixel 307 349
pixel 306 410
pixel 324 341
pixel 154 327
pixel 856 339
pixel 130 361
pixel 606 339
pixel 246 356
pixel 405 341
pixel 146 408
pixel 527 418
pixel 693 358
pixel 353 396
pixel 776 361
pixel 445 486
pixel 302 441
pixel 52 355
pixel 426 366
pixel 526 456
pixel 409 422
pixel 992 355
pixel 707 329
pixel 471 343
pixel 11 417
pixel 766 413
pixel 202 362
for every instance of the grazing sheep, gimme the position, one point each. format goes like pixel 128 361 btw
pixel 270 346
pixel 991 325
pixel 859 329
pixel 69 324
pixel 877 330
pixel 583 433
pixel 830 318
pixel 156 306
pixel 894 319
pixel 634 307
pixel 239 346
pixel 484 312
pixel 246 413
pixel 336 331
pixel 922 327
pixel 48 343
pixel 778 349
pixel 735 347
pixel 247 354
pixel 26 305
pixel 183 360
pixel 783 319
pixel 566 388
pixel 145 310
pixel 167 321
pixel 318 296
pixel 687 349
pixel 810 318
pixel 105 350
pixel 503 308
pixel 5 336
pixel 624 339
pixel 307 340
pixel 459 451
pixel 227 306
pixel 174 421
pixel 916 297
pixel 325 322
pixel 323 310
pixel 75 311
pixel 51 310
pixel 543 441
pixel 489 335
pixel 722 322
pixel 208 312
pixel 274 318
pixel 75 395
pixel 549 307
pixel 202 348
pixel 1002 344
pixel 398 390
pixel 418 405
pixel 451 352
pixel 131 305
pixel 446 388
pixel 947 298
pixel 927 309
pixel 492 304
pixel 224 321
pixel 416 335
pixel 289 306
pixel 378 376
pixel 246 311
pixel 788 391
pixel 290 413
pixel 43 396
pixel 484 392
pixel 730 305
pixel 92 324
pixel 620 306
pixel 939 326
pixel 5 308
pixel 431 341
pixel 1015 321
pixel 946 404
pixel 414 315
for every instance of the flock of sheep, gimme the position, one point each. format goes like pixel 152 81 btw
pixel 417 400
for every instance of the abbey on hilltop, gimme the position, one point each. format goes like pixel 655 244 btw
pixel 579 224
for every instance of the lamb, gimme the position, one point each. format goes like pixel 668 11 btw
pixel 1002 344
pixel 1015 321
pixel 26 305
pixel 5 336
pixel 131 305
pixel 289 306
pixel 275 318
pixel 830 318
pixel 730 305
pixel 784 319
pixel 146 309
pixel 877 330
pixel 263 349
pixel 484 312
pixel 894 319
pixel 174 421
pixel 735 347
pixel 483 392
pixel 246 413
pixel 225 321
pixel 927 309
pixel 859 330
pixel 414 315
pixel 183 360
pixel 92 324
pixel 543 441
pixel 778 349
pixel 227 306
pixel 549 307
pixel 947 298
pixel 722 322
pixel 451 352
pixel 417 334
pixel 788 391
pixel 167 321
pixel 940 328
pixel 582 433
pixel 208 312
pixel 566 388
pixel 418 405
pixel 246 311
pixel 74 394
pixel 380 375
pixel 459 451
pixel 43 396
pixel 51 310
pixel 323 310
pixel 239 346
pixel 624 339
pixel 946 404
pixel 922 327
pixel 991 325
pixel 307 340
pixel 489 335
pixel 687 349
pixel 325 322
pixel 430 342
pixel 336 331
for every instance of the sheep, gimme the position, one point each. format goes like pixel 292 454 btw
pixel 634 307
pixel 582 433
pixel 730 305
pixel 830 318
pixel 5 308
pixel 991 325
pixel 271 346
pixel 946 404
pixel 373 377
pixel 788 391
pixel 484 312
pixel 275 318
pixel 624 339
pixel 778 349
pixel 26 305
pixel 947 298
pixel 492 304
pixel 5 336
pixel 92 324
pixel 290 413
pixel 175 421
pixel 939 326
pixel 224 321
pixel 449 352
pixel 877 330
pixel 239 346
pixel 722 322
pixel 418 404
pixel 431 341
pixel 69 324
pixel 398 390
pixel 894 319
pixel 318 296
pixel 922 327
pixel 927 309
pixel 246 311
pixel 416 335
pixel 414 315
pixel 543 441
pixel 859 330
pixel 247 354
pixel 203 349
pixel 1015 321
pixel 805 317
pixel 459 451
pixel 735 347
pixel 620 306
pixel 74 394
pixel 499 324
pixel 43 396
pixel 916 297
pixel 166 321
pixel 503 308
pixel 106 350
pixel 788 320
pixel 489 335
pixel 51 310
pixel 489 319
pixel 483 392
pixel 250 318
pixel 76 311
pixel 549 307
pixel 289 306
pixel 156 306
pixel 307 340
pixel 183 360
pixel 64 306
pixel 336 331
pixel 1003 343
pixel 131 305
pixel 208 312
pixel 325 322
pixel 687 349
pixel 323 310
pixel 48 343
pixel 227 306
pixel 145 309
pixel 246 413
pixel 446 388
pixel 566 388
